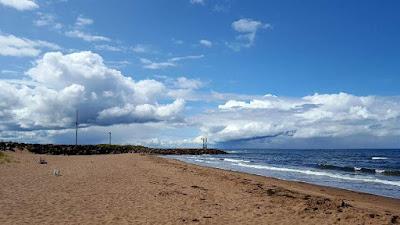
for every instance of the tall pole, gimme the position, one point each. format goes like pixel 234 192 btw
pixel 109 134
pixel 76 129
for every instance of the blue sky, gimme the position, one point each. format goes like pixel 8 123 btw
pixel 288 74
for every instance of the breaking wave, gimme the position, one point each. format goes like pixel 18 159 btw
pixel 359 169
pixel 319 173
pixel 235 160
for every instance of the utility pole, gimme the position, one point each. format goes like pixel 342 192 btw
pixel 109 136
pixel 76 130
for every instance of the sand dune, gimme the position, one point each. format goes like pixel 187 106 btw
pixel 142 189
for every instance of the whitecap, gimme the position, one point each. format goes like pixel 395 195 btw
pixel 378 158
pixel 236 160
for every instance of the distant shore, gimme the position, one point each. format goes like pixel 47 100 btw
pixel 146 189
pixel 53 149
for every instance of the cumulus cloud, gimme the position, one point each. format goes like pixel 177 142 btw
pixel 318 115
pixel 104 96
pixel 206 43
pixel 131 113
pixel 11 45
pixel 247 29
pixel 149 64
pixel 20 5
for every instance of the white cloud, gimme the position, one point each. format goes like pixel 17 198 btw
pixel 246 25
pixel 86 36
pixel 142 48
pixel 142 113
pixel 247 29
pixel 108 48
pixel 20 5
pixel 186 83
pixel 206 43
pixel 198 2
pixel 118 63
pixel 47 20
pixel 63 83
pixel 149 64
pixel 177 41
pixel 176 59
pixel 185 88
pixel 11 45
pixel 222 7
pixel 10 72
pixel 318 115
pixel 77 32
pixel 83 21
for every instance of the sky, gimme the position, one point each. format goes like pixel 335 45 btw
pixel 244 74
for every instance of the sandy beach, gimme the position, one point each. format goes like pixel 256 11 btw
pixel 147 189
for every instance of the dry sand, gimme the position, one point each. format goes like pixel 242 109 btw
pixel 141 189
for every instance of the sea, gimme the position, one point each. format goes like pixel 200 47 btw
pixel 375 171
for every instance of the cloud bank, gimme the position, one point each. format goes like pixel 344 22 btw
pixel 314 116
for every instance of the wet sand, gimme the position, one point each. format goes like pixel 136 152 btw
pixel 144 189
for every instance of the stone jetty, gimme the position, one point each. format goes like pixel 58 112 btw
pixel 53 149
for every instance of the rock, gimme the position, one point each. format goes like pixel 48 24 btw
pixel 345 205
pixel 56 172
pixel 394 219
pixel 42 161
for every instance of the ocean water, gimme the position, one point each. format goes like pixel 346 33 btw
pixel 375 171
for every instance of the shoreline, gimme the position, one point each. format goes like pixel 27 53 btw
pixel 149 189
pixel 237 169
pixel 301 185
